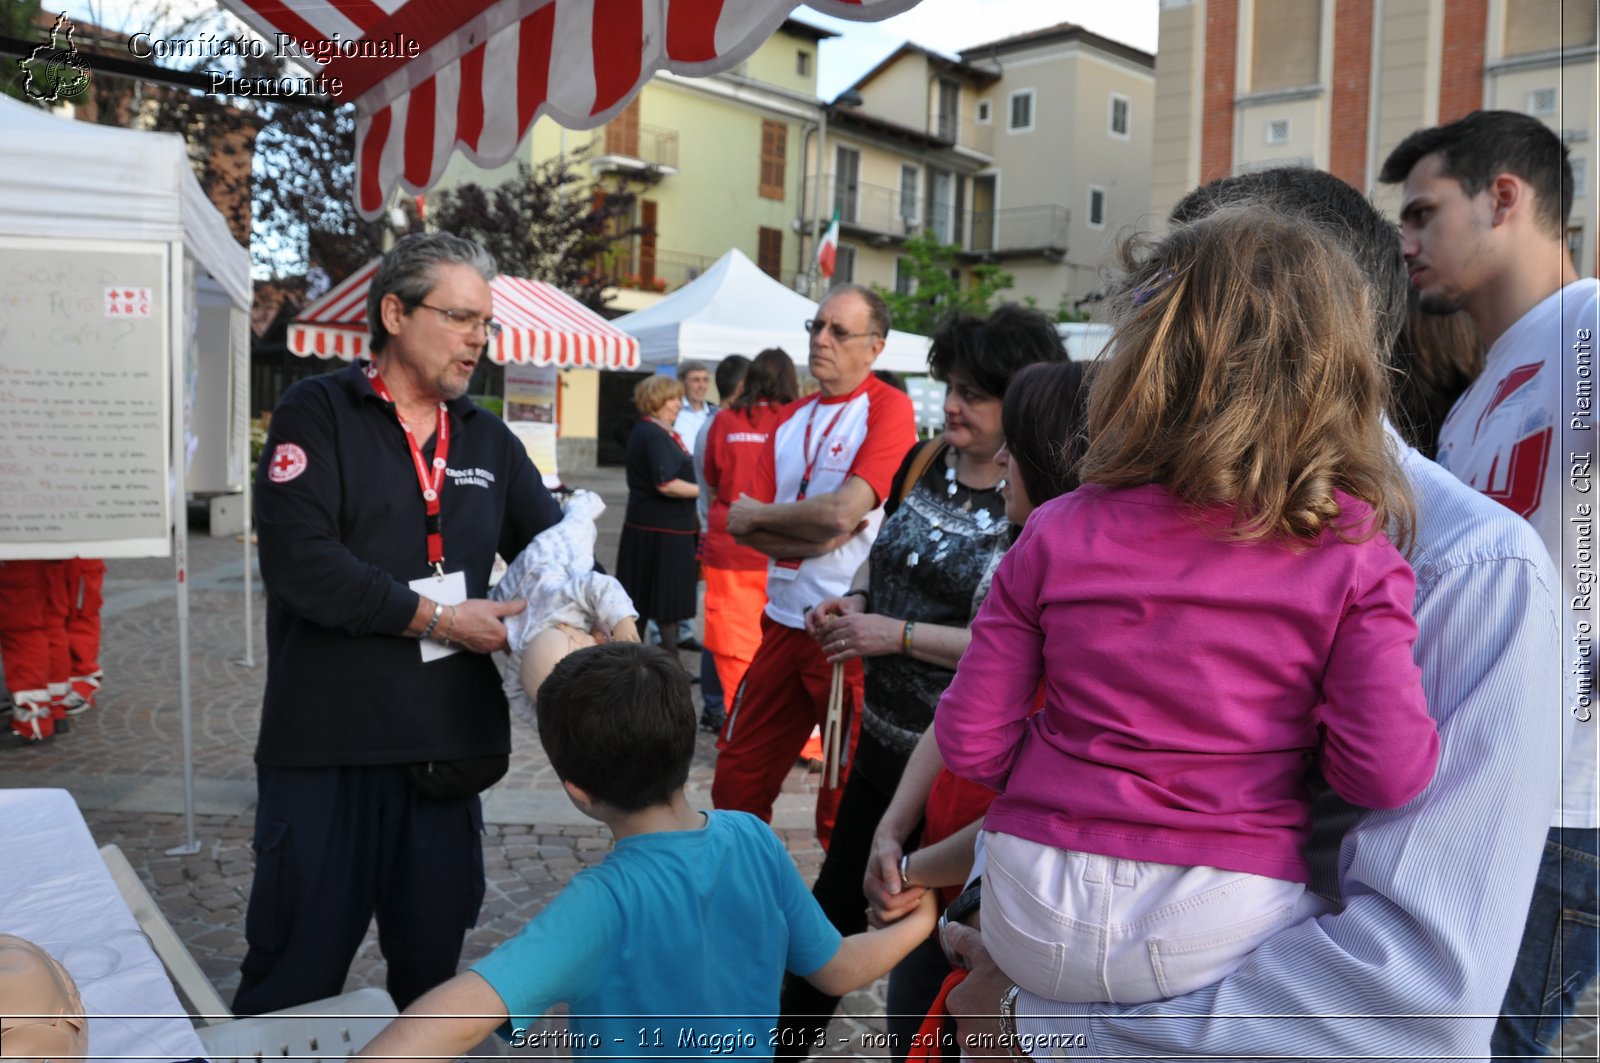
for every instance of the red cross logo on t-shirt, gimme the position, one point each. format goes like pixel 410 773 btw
pixel 836 450
pixel 288 461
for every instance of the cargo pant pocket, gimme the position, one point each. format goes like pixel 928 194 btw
pixel 271 908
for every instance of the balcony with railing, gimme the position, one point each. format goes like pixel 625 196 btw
pixel 1038 230
pixel 629 147
pixel 879 216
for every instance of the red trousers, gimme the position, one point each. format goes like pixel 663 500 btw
pixel 785 695
pixel 33 644
pixel 84 578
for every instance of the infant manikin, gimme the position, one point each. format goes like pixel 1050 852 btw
pixel 567 601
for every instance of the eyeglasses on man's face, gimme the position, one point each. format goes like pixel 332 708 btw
pixel 466 320
pixel 814 327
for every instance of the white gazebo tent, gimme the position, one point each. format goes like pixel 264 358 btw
pixel 735 308
pixel 127 301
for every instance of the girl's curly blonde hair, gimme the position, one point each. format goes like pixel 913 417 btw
pixel 1242 373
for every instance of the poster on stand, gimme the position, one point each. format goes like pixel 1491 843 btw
pixel 531 412
pixel 84 350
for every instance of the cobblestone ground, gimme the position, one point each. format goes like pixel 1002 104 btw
pixel 123 762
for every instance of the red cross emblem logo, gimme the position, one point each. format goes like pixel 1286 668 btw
pixel 288 461
pixel 836 449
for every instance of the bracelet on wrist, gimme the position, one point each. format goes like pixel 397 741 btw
pixel 450 629
pixel 905 870
pixel 905 637
pixel 866 597
pixel 433 622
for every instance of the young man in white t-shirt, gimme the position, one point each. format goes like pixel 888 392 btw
pixel 1483 216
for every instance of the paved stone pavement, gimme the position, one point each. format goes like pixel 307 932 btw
pixel 123 762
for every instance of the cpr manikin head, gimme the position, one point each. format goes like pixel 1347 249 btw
pixel 41 1014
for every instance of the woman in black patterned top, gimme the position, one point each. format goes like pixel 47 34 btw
pixel 909 606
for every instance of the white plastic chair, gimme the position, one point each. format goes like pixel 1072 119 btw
pixel 335 1028
pixel 191 981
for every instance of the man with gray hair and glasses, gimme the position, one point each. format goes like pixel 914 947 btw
pixel 382 497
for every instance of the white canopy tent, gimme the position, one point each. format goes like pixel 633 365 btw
pixel 734 308
pixel 128 305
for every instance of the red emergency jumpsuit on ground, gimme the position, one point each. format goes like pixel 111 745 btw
pixel 33 644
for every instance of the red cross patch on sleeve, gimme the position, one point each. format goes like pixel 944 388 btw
pixel 288 461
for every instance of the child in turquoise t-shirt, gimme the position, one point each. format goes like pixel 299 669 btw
pixel 675 944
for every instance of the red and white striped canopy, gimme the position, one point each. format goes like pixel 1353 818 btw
pixel 542 326
pixel 485 69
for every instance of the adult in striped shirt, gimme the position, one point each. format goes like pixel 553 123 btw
pixel 1429 899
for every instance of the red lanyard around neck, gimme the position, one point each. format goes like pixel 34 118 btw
pixel 430 484
pixel 805 448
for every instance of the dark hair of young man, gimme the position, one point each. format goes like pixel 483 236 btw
pixel 1333 207
pixel 988 351
pixel 618 722
pixel 730 371
pixel 1474 149
pixel 1438 356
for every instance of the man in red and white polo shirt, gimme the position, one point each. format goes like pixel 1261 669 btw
pixel 815 510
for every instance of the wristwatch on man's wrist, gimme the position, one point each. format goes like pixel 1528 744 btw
pixel 1008 1024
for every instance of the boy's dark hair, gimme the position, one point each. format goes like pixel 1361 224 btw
pixel 988 351
pixel 1333 207
pixel 730 371
pixel 617 721
pixel 1485 143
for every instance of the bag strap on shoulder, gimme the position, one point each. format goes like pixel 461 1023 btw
pixel 927 450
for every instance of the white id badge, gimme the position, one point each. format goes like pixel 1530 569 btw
pixel 449 589
pixel 786 569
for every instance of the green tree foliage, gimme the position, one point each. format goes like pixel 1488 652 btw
pixel 305 210
pixel 19 19
pixel 547 223
pixel 936 287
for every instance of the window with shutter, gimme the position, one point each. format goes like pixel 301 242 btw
pixel 769 251
pixel 774 151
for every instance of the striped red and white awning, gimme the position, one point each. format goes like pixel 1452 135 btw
pixel 485 69
pixel 542 326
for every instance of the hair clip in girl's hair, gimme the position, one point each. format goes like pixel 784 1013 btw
pixel 1144 292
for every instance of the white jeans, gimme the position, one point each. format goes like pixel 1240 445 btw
pixel 1080 928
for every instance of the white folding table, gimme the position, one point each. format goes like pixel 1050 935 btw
pixel 58 894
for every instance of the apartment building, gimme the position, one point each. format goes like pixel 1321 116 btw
pixel 1074 113
pixel 1336 84
pixel 1030 152
pixel 714 162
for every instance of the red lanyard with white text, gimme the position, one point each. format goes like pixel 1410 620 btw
pixel 805 447
pixel 430 484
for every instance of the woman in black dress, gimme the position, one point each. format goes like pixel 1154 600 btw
pixel 655 561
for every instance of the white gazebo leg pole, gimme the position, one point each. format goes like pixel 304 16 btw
pixel 178 345
pixel 249 574
pixel 243 428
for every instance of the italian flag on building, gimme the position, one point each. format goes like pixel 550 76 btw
pixel 828 249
